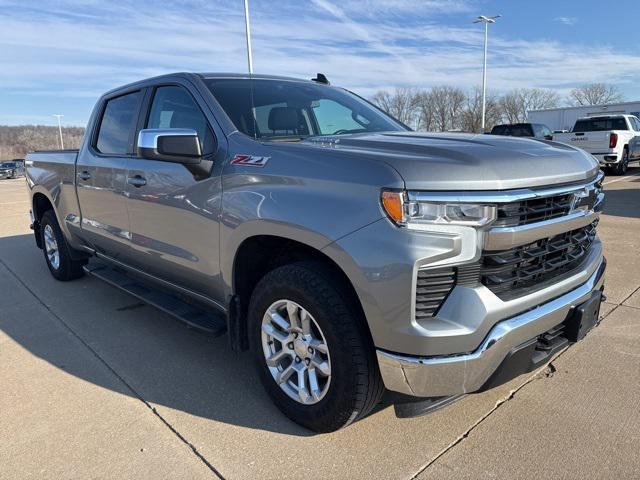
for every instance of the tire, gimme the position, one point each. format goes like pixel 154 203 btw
pixel 621 168
pixel 65 268
pixel 354 386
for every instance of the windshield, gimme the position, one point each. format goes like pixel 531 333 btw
pixel 285 109
pixel 600 124
pixel 7 164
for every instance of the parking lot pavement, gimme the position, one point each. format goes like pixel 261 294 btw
pixel 95 384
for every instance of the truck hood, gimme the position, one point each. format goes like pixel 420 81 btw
pixel 454 161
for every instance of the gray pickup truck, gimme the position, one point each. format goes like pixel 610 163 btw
pixel 360 262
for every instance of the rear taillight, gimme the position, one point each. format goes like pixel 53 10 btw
pixel 613 140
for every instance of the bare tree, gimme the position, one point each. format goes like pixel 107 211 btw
pixel 471 118
pixel 15 142
pixel 595 94
pixel 400 104
pixel 447 104
pixel 426 111
pixel 516 104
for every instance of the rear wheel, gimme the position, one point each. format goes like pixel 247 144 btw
pixel 311 349
pixel 57 252
pixel 621 168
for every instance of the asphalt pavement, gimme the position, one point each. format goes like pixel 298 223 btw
pixel 95 384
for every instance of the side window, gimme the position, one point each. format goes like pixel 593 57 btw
pixel 117 124
pixel 174 107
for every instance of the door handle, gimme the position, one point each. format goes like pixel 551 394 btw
pixel 137 181
pixel 84 175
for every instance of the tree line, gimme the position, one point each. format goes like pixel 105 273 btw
pixel 447 108
pixel 16 142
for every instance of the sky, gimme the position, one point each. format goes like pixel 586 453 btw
pixel 60 56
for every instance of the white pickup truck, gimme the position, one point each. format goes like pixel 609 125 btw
pixel 613 139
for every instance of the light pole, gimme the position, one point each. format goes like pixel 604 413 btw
pixel 60 131
pixel 486 21
pixel 248 34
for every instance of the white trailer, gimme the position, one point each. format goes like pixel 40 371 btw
pixel 564 118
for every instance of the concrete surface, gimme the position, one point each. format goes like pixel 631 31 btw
pixel 95 384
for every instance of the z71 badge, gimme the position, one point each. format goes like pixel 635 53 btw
pixel 250 160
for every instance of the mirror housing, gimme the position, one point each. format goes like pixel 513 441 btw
pixel 176 145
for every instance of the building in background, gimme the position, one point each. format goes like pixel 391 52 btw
pixel 563 118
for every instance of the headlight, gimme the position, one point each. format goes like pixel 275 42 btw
pixel 405 210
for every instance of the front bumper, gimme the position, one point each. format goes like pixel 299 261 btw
pixel 448 375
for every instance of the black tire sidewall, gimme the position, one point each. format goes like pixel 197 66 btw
pixel 68 269
pixel 341 404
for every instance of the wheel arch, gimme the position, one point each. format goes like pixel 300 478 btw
pixel 259 254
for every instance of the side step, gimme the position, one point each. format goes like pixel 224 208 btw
pixel 208 321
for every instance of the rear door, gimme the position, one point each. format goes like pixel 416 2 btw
pixel 173 208
pixel 101 174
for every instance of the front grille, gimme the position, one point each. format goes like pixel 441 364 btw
pixel 432 288
pixel 509 273
pixel 533 210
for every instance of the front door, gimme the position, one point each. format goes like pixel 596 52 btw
pixel 173 208
pixel 101 175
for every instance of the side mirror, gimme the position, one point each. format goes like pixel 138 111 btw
pixel 548 137
pixel 177 145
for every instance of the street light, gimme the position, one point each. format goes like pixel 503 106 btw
pixel 60 131
pixel 486 21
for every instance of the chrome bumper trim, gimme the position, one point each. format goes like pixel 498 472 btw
pixel 466 373
pixel 505 238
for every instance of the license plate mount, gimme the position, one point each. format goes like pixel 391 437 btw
pixel 584 317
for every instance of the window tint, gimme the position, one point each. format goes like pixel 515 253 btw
pixel 174 107
pixel 600 124
pixel 117 125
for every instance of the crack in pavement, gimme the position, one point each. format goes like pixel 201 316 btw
pixel 128 386
pixel 547 372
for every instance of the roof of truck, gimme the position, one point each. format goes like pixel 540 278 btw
pixel 210 76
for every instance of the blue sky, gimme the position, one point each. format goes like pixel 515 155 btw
pixel 59 56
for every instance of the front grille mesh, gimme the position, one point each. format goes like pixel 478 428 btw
pixel 529 265
pixel 432 288
pixel 533 210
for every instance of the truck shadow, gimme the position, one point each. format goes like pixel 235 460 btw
pixel 93 331
pixel 623 197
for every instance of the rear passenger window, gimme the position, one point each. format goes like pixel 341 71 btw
pixel 174 107
pixel 117 124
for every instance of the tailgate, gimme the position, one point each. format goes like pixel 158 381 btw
pixel 592 142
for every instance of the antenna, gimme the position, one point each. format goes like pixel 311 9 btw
pixel 60 130
pixel 248 34
pixel 321 78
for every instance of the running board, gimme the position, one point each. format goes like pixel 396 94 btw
pixel 207 321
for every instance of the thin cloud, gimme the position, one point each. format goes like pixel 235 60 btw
pixel 74 58
pixel 569 21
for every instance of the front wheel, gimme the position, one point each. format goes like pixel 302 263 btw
pixel 57 253
pixel 311 349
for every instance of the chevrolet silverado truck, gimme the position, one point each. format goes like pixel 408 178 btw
pixel 359 262
pixel 613 139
